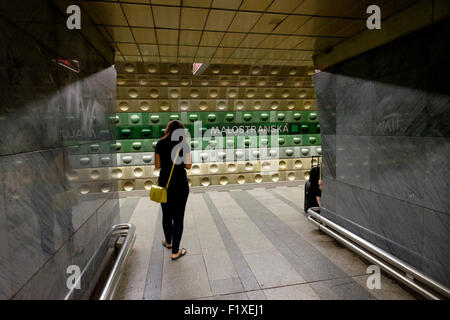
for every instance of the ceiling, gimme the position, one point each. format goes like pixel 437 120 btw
pixel 278 32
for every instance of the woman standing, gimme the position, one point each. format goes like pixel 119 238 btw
pixel 173 141
pixel 313 189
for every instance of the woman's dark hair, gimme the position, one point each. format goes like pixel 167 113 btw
pixel 314 175
pixel 171 127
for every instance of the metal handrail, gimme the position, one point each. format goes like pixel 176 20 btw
pixel 386 256
pixel 128 230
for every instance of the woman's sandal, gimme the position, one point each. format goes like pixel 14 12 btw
pixel 181 253
pixel 164 243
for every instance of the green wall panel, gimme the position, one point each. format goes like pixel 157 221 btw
pixel 230 142
pixel 243 117
pixel 139 132
pixel 145 132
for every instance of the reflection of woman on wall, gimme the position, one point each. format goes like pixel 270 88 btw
pixel 31 182
pixel 313 189
pixel 174 139
pixel 48 186
pixel 62 197
pixel 42 203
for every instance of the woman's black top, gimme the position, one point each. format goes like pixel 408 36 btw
pixel 312 191
pixel 164 149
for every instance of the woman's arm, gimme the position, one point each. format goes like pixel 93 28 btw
pixel 157 161
pixel 188 161
pixel 320 193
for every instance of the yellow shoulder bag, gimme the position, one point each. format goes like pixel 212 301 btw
pixel 158 193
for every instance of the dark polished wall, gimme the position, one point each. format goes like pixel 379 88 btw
pixel 385 124
pixel 49 221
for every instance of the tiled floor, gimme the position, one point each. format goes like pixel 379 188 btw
pixel 243 244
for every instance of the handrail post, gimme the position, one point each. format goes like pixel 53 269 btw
pixel 357 242
pixel 125 250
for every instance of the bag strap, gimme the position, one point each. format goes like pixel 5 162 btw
pixel 320 168
pixel 173 165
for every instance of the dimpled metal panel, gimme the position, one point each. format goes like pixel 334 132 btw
pixel 258 123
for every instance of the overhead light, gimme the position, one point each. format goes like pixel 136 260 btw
pixel 71 65
pixel 198 68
